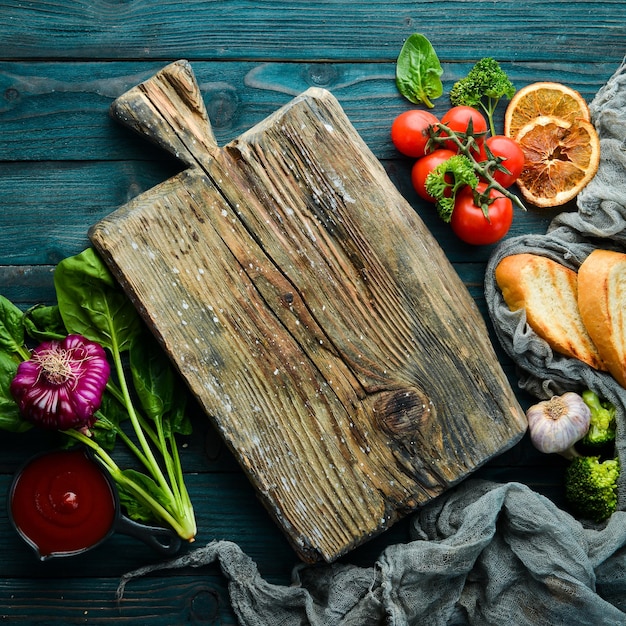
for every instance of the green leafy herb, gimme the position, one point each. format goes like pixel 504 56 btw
pixel 418 71
pixel 44 322
pixel 483 87
pixel 447 179
pixel 10 418
pixel 91 304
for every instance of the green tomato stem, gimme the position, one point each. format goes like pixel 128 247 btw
pixel 466 149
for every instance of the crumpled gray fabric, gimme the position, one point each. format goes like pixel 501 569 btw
pixel 483 553
pixel 599 222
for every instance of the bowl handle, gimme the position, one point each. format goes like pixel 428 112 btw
pixel 164 540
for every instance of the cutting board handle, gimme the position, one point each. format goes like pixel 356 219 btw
pixel 168 109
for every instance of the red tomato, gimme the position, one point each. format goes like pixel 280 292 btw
pixel 469 222
pixel 424 166
pixel 409 132
pixel 511 154
pixel 458 119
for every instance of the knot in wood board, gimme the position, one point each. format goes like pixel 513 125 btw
pixel 400 413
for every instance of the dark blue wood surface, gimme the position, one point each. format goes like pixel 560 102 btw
pixel 64 164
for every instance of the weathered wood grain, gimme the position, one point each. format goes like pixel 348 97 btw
pixel 312 314
pixel 238 29
pixel 199 600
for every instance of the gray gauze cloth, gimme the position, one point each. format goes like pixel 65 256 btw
pixel 482 553
pixel 600 222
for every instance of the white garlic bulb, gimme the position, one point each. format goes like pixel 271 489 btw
pixel 555 425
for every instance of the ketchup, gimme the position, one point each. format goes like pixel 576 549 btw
pixel 62 503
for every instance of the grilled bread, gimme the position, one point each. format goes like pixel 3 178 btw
pixel 602 305
pixel 548 291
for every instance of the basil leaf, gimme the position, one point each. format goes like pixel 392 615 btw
pixel 418 71
pixel 91 303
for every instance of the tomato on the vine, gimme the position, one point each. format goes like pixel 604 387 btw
pixel 469 223
pixel 511 154
pixel 458 119
pixel 424 166
pixel 409 132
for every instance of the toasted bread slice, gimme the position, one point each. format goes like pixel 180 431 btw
pixel 602 305
pixel 548 292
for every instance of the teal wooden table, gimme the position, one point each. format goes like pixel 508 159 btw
pixel 64 165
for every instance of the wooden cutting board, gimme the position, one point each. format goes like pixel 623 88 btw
pixel 311 313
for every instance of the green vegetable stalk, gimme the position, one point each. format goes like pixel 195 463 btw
pixel 483 87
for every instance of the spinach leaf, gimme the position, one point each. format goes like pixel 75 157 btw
pixel 418 71
pixel 11 327
pixel 159 390
pixel 178 419
pixel 44 322
pixel 110 417
pixel 136 507
pixel 152 375
pixel 10 418
pixel 91 304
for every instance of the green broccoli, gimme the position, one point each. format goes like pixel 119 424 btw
pixel 446 179
pixel 484 86
pixel 602 425
pixel 591 487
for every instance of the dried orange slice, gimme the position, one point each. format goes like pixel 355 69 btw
pixel 560 158
pixel 537 99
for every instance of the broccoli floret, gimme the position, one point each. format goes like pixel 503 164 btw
pixel 483 87
pixel 446 179
pixel 602 425
pixel 591 487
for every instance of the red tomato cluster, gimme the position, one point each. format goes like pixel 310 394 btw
pixel 410 133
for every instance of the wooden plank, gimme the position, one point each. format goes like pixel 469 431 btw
pixel 39 98
pixel 201 599
pixel 59 200
pixel 51 227
pixel 311 313
pixel 532 30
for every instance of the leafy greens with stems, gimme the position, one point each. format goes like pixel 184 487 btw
pixel 142 387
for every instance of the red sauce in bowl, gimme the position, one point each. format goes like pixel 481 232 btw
pixel 62 503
